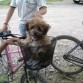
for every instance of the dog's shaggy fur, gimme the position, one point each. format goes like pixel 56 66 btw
pixel 38 29
pixel 38 39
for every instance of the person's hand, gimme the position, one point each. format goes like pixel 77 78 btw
pixel 12 41
pixel 37 14
pixel 4 27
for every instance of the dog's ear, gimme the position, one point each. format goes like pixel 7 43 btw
pixel 46 28
pixel 27 26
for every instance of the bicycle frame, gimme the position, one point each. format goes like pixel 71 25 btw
pixel 13 71
pixel 35 73
pixel 11 65
pixel 38 76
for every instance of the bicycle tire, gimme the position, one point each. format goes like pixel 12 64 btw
pixel 30 79
pixel 59 63
pixel 41 78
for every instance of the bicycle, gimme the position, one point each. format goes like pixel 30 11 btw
pixel 31 75
pixel 9 64
pixel 65 60
pixel 68 56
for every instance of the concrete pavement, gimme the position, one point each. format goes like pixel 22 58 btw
pixel 65 18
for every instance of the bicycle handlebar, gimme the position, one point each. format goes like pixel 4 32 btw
pixel 5 36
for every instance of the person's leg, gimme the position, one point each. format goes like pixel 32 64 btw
pixel 22 28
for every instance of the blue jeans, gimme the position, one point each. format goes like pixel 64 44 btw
pixel 22 28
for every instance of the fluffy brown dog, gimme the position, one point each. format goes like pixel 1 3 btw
pixel 38 29
pixel 37 40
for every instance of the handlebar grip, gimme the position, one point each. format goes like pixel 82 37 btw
pixel 4 33
pixel 1 33
pixel 23 37
pixel 11 35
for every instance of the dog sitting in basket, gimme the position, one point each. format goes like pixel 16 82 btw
pixel 37 45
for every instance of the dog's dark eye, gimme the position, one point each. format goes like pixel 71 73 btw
pixel 39 28
pixel 32 27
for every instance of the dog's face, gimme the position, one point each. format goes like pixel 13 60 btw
pixel 37 28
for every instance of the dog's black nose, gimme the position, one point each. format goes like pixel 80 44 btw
pixel 35 33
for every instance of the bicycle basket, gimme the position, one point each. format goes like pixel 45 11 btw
pixel 38 57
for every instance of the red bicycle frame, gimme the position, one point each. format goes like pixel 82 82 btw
pixel 9 56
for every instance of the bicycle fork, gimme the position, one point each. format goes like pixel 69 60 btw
pixel 39 76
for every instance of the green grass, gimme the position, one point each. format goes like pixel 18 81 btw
pixel 53 0
pixel 7 2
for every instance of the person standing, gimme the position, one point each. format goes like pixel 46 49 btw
pixel 27 9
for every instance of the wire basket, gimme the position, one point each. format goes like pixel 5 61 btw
pixel 38 57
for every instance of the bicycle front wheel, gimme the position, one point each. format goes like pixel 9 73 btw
pixel 31 79
pixel 63 45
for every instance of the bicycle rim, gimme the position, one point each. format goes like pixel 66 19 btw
pixel 63 45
